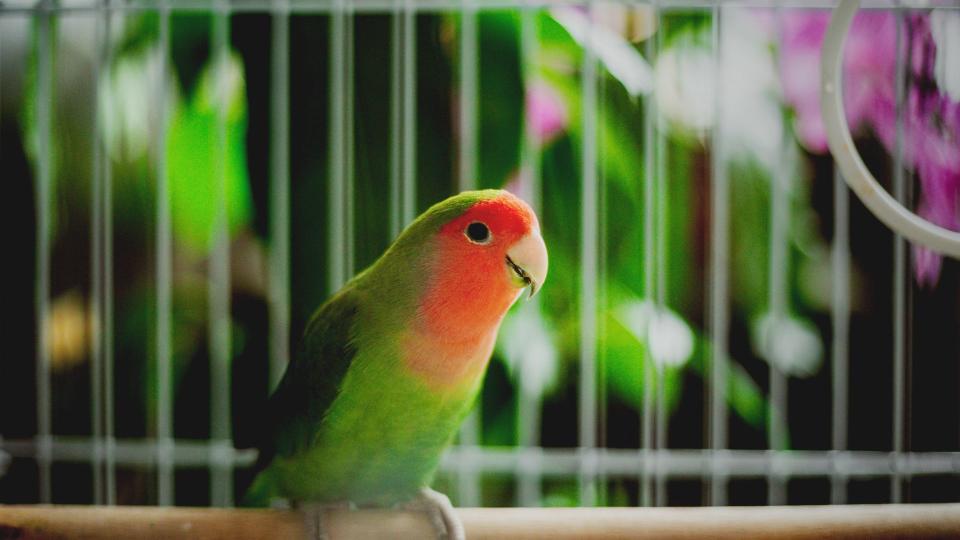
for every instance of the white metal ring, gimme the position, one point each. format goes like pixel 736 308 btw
pixel 885 207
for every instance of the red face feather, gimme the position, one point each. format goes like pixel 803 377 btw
pixel 469 290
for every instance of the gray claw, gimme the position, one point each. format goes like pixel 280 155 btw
pixel 441 513
pixel 313 515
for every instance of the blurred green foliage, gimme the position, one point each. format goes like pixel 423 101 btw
pixel 206 152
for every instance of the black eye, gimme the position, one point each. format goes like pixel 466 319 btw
pixel 478 233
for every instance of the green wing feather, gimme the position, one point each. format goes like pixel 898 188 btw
pixel 313 378
pixel 309 386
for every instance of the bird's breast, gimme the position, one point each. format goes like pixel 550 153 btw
pixel 448 362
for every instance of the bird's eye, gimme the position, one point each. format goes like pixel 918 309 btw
pixel 478 233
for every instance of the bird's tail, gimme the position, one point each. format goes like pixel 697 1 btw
pixel 262 491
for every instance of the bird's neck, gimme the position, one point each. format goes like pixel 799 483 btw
pixel 446 365
pixel 456 325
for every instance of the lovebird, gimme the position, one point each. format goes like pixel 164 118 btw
pixel 390 365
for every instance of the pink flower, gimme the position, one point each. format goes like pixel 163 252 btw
pixel 869 64
pixel 934 146
pixel 546 114
pixel 931 123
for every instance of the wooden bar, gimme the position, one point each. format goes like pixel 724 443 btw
pixel 785 522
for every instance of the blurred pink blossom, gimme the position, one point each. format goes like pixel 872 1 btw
pixel 931 124
pixel 546 113
pixel 869 62
pixel 933 143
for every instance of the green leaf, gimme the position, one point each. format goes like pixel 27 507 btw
pixel 197 162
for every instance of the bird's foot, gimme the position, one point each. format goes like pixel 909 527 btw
pixel 314 514
pixel 441 513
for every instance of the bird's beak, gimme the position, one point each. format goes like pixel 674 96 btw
pixel 527 261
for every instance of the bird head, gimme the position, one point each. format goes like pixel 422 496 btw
pixel 496 241
pixel 451 276
pixel 475 253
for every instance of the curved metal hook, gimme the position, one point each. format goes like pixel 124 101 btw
pixel 885 207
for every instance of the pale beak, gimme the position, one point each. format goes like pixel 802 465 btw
pixel 527 261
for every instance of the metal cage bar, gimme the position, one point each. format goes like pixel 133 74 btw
pixel 718 327
pixel 408 205
pixel 779 308
pixel 340 196
pixel 468 477
pixel 44 196
pixel 403 110
pixel 560 462
pixel 96 267
pixel 652 127
pixel 661 295
pixel 164 254
pixel 840 324
pixel 218 286
pixel 587 399
pixel 439 6
pixel 900 293
pixel 396 120
pixel 109 421
pixel 279 275
pixel 528 476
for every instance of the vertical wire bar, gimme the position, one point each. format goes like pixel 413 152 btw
pixel 1 163
pixel 718 318
pixel 279 193
pixel 778 307
pixel 403 152
pixel 661 213
pixel 651 126
pixel 778 265
pixel 466 179
pixel 899 281
pixel 349 176
pixel 108 320
pixel 600 478
pixel 409 179
pixel 840 321
pixel 164 261
pixel 335 227
pixel 396 122
pixel 44 192
pixel 96 267
pixel 588 276
pixel 221 485
pixel 470 430
pixel 529 491
pixel 1 87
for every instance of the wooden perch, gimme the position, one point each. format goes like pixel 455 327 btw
pixel 795 522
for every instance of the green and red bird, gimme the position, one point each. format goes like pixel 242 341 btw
pixel 390 365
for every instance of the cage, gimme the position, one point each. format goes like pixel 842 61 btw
pixel 724 324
